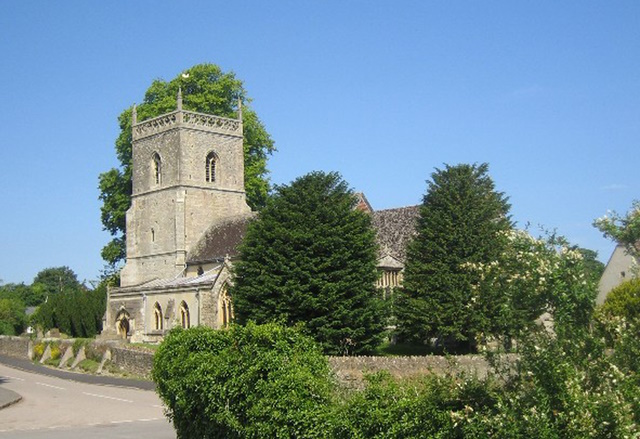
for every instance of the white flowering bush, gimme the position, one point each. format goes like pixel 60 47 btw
pixel 623 229
pixel 532 277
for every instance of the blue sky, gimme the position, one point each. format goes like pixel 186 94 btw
pixel 548 93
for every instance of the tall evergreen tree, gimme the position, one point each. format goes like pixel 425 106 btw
pixel 310 258
pixel 463 220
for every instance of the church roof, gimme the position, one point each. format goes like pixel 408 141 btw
pixel 395 227
pixel 221 240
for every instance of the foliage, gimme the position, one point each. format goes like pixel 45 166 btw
pixel 38 350
pixel 462 220
pixel 533 276
pixel 310 258
pixel 27 294
pixel 55 280
pixel 564 387
pixel 255 381
pixel 593 267
pixel 77 313
pixel 89 365
pixel 13 320
pixel 623 229
pixel 430 407
pixel 206 89
pixel 624 301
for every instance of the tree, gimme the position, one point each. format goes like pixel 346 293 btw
pixel 30 296
pixel 12 317
pixel 55 280
pixel 594 268
pixel 623 230
pixel 310 257
pixel 256 381
pixel 206 89
pixel 462 220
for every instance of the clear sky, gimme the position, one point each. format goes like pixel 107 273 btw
pixel 547 92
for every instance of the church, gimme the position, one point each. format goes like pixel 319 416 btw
pixel 188 216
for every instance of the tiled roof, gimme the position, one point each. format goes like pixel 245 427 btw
pixel 221 240
pixel 395 227
pixel 205 278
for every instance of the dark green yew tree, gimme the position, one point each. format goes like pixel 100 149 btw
pixel 463 220
pixel 205 89
pixel 310 258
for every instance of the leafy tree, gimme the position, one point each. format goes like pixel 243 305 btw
pixel 310 257
pixel 463 220
pixel 30 296
pixel 245 382
pixel 624 230
pixel 55 280
pixel 13 320
pixel 206 89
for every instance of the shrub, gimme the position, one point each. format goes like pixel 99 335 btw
pixel 624 300
pixel 55 351
pixel 38 350
pixel 258 381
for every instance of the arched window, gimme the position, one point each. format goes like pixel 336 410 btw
pixel 225 308
pixel 122 323
pixel 157 169
pixel 210 171
pixel 157 317
pixel 185 319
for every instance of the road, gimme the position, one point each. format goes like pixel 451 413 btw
pixel 60 408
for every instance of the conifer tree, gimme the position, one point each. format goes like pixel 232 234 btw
pixel 463 220
pixel 310 259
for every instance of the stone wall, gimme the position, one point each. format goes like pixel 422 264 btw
pixel 134 361
pixel 17 347
pixel 349 370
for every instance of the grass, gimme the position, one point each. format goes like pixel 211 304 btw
pixel 88 365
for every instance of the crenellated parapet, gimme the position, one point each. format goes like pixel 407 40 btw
pixel 187 119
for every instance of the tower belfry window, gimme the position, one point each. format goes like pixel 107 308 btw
pixel 210 164
pixel 157 169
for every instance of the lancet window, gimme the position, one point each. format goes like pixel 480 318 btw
pixel 225 308
pixel 185 318
pixel 210 164
pixel 157 169
pixel 157 317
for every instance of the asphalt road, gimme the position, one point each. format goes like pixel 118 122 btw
pixel 53 407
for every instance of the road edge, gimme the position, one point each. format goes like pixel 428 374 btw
pixel 8 397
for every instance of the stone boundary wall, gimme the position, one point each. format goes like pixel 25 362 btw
pixel 133 361
pixel 351 370
pixel 348 370
pixel 17 347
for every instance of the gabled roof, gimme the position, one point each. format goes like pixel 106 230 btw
pixel 395 227
pixel 221 240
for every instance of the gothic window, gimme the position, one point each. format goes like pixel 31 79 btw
pixel 225 308
pixel 185 319
pixel 210 164
pixel 157 317
pixel 157 169
pixel 122 323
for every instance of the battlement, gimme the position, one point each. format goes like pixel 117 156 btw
pixel 187 119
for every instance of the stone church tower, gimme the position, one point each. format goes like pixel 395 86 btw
pixel 188 171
